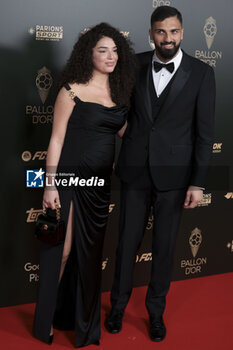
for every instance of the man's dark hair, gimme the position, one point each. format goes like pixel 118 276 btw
pixel 163 12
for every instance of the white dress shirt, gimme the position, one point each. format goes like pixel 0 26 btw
pixel 162 78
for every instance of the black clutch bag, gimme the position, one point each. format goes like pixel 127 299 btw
pixel 50 228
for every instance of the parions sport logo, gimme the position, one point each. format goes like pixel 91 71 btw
pixel 47 32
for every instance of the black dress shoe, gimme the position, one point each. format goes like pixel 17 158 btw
pixel 157 329
pixel 113 322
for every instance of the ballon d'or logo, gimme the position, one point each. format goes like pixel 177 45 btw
pixel 151 43
pixel 195 241
pixel 44 82
pixel 210 30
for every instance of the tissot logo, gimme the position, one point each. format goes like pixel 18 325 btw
pixel 33 214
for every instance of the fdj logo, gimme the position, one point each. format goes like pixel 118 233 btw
pixel 35 178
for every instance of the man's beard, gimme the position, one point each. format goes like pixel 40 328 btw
pixel 167 54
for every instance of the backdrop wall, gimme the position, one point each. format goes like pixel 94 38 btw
pixel 36 40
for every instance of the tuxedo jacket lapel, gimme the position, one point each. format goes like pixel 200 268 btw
pixel 144 90
pixel 178 83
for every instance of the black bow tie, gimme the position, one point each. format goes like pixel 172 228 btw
pixel 158 66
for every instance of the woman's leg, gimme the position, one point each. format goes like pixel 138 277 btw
pixel 67 244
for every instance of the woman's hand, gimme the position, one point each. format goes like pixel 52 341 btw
pixel 50 199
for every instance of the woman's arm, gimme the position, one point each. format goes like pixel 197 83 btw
pixel 62 111
pixel 121 132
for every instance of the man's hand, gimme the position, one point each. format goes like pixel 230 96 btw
pixel 194 196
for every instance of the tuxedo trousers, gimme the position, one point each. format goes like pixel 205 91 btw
pixel 137 198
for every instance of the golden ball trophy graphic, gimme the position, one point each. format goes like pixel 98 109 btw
pixel 151 43
pixel 210 30
pixel 44 82
pixel 195 241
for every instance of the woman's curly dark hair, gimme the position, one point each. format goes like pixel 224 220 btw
pixel 79 68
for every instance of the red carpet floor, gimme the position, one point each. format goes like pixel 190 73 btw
pixel 199 316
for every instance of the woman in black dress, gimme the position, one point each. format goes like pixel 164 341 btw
pixel 90 109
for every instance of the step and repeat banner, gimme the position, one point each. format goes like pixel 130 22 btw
pixel 35 42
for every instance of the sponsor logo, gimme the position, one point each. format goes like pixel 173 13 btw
pixel 229 195
pixel 150 222
pixel 124 33
pixel 143 257
pixel 42 114
pixel 210 30
pixel 32 271
pixel 111 207
pixel 206 201
pixel 47 33
pixel 26 156
pixel 44 82
pixel 104 264
pixel 38 155
pixel 35 178
pixel 194 266
pixel 217 148
pixel 156 3
pixel 230 246
pixel 32 214
pixel 195 241
pixel 151 43
pixel 207 56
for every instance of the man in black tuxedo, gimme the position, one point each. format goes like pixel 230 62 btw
pixel 163 161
